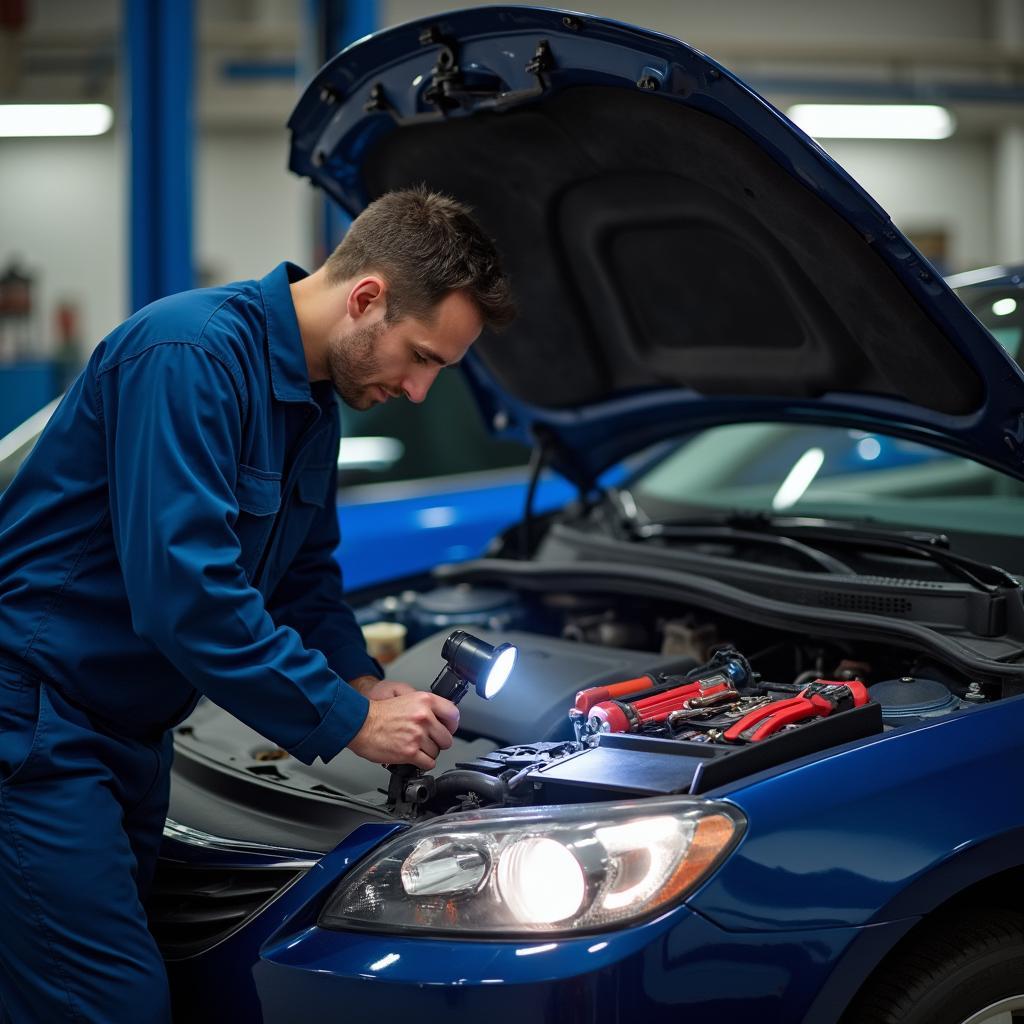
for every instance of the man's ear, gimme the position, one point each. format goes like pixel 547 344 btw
pixel 366 297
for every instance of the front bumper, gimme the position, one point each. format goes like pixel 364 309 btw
pixel 681 967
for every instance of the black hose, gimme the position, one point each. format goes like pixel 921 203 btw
pixel 462 780
pixel 537 459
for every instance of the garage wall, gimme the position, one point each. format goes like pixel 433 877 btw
pixel 250 211
pixel 925 186
pixel 62 212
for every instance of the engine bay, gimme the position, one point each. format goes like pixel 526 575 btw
pixel 529 746
pixel 615 698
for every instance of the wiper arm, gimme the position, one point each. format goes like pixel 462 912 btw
pixel 674 531
pixel 630 518
pixel 932 547
pixel 929 546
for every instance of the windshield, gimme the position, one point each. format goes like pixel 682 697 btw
pixel 830 472
pixel 836 473
pixel 1000 308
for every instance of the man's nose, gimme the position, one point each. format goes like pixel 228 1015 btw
pixel 416 385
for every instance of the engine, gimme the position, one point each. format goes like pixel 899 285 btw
pixel 611 700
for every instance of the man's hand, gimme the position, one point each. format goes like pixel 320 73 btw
pixel 380 689
pixel 411 728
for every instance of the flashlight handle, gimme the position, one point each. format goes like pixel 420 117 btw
pixel 449 685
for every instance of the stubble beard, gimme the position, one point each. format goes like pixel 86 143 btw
pixel 353 365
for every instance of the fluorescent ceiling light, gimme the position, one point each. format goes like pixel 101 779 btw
pixel 873 120
pixel 24 120
pixel 799 479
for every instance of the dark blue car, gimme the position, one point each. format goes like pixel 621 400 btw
pixel 811 577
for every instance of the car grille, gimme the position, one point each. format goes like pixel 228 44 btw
pixel 193 908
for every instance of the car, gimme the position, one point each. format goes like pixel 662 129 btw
pixel 757 755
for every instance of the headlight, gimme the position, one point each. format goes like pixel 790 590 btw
pixel 565 869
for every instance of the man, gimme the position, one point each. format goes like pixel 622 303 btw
pixel 170 536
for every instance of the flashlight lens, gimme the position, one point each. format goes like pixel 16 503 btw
pixel 501 669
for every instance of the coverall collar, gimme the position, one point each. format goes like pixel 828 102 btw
pixel 289 376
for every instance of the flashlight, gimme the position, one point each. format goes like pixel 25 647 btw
pixel 469 661
pixel 472 662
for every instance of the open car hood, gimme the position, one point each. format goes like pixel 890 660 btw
pixel 681 253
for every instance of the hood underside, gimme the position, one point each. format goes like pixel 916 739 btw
pixel 640 263
pixel 680 253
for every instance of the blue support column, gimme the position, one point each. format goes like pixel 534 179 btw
pixel 338 23
pixel 159 48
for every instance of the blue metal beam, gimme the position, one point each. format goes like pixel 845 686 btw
pixel 159 53
pixel 338 23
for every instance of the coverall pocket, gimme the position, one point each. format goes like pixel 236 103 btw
pixel 21 716
pixel 259 497
pixel 313 484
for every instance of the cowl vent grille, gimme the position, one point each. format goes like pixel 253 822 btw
pixel 869 604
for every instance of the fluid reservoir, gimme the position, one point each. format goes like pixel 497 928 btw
pixel 464 605
pixel 913 697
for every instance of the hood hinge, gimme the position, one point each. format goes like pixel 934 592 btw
pixel 448 88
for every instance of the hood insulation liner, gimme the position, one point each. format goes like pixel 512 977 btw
pixel 652 245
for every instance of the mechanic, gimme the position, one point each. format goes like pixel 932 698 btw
pixel 171 536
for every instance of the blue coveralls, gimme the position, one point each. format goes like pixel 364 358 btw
pixel 170 535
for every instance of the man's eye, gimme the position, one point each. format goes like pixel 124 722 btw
pixel 419 357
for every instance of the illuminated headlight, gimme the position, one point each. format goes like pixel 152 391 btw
pixel 565 869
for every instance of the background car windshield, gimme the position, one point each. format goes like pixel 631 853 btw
pixel 442 436
pixel 390 443
pixel 787 469
pixel 1000 307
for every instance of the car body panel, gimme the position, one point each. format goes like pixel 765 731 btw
pixel 390 530
pixel 690 969
pixel 842 847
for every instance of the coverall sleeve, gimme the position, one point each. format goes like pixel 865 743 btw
pixel 310 597
pixel 173 420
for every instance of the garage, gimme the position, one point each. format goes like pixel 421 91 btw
pixel 511 513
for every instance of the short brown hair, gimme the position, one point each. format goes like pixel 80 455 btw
pixel 425 245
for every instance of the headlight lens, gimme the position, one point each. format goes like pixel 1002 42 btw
pixel 523 872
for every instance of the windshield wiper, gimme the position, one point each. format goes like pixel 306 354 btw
pixel 699 532
pixel 638 526
pixel 740 525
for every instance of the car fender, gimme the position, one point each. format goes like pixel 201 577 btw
pixel 878 830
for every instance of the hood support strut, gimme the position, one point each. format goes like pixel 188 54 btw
pixel 548 445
